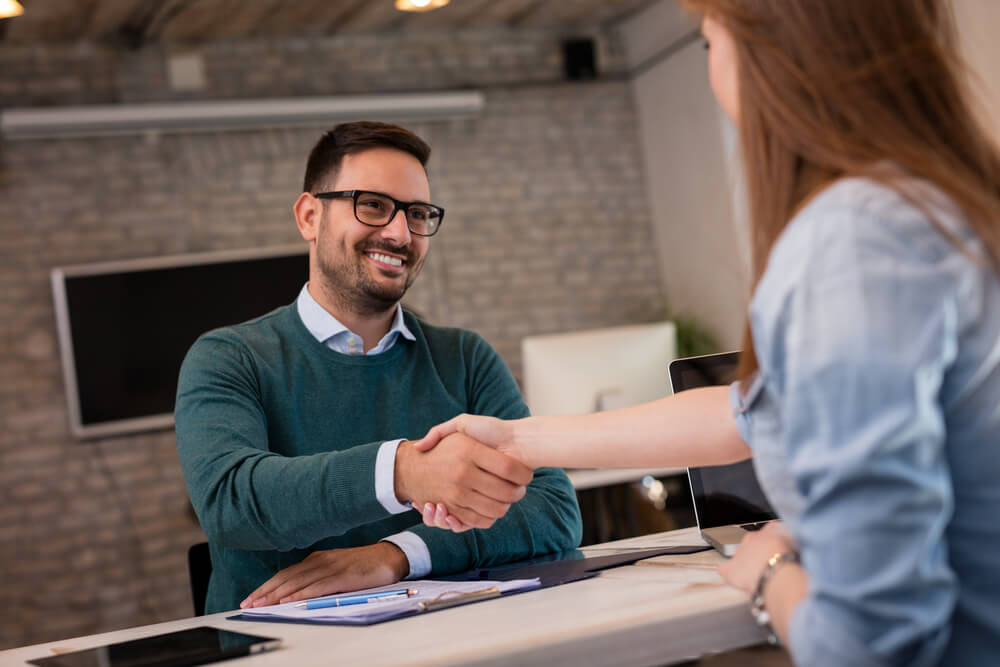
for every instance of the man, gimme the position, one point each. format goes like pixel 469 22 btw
pixel 289 426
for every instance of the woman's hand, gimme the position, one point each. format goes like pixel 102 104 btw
pixel 493 432
pixel 743 570
pixel 437 516
pixel 787 586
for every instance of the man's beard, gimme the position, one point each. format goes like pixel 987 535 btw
pixel 353 286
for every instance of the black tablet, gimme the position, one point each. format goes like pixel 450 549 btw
pixel 195 646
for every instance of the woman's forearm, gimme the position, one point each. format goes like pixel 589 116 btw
pixel 691 428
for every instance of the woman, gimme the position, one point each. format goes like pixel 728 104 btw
pixel 870 378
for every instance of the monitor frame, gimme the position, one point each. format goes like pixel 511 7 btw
pixel 59 277
pixel 577 372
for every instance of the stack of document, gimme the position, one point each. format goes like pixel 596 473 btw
pixel 424 595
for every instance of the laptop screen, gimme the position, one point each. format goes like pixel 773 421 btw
pixel 728 494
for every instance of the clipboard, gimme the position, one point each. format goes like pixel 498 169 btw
pixel 432 595
pixel 471 587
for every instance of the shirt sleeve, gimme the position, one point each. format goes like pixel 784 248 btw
pixel 416 551
pixel 385 478
pixel 412 546
pixel 856 349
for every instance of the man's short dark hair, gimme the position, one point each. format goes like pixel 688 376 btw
pixel 347 138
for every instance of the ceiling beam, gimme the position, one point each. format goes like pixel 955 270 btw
pixel 502 13
pixel 452 15
pixel 108 17
pixel 371 16
pixel 137 23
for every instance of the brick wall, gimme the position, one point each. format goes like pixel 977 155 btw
pixel 548 230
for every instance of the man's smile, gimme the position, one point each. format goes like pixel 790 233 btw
pixel 389 262
pixel 383 258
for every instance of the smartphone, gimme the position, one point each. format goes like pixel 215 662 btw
pixel 195 646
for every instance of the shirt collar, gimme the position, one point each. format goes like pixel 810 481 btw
pixel 322 325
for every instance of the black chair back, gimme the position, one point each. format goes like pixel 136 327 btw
pixel 199 570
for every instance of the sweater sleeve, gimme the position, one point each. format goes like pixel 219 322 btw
pixel 546 520
pixel 246 496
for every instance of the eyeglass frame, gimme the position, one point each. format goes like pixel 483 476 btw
pixel 397 207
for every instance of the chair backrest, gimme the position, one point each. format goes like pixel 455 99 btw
pixel 199 570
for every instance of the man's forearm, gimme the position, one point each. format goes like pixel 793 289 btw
pixel 252 500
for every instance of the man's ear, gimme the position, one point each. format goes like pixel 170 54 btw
pixel 308 212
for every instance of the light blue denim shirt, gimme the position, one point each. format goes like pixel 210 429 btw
pixel 875 425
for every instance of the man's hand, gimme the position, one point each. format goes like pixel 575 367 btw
pixel 333 571
pixel 476 483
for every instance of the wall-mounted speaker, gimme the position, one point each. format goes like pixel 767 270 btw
pixel 578 59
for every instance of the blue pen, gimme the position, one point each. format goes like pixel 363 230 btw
pixel 363 598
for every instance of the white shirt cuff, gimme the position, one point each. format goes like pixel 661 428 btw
pixel 416 552
pixel 385 478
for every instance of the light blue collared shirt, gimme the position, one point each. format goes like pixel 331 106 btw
pixel 874 421
pixel 328 330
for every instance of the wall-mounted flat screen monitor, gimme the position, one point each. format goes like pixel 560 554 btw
pixel 124 327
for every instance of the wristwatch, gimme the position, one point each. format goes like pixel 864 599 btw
pixel 757 609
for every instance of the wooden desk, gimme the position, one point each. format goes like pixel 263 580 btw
pixel 659 611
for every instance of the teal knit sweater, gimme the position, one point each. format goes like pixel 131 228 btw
pixel 277 437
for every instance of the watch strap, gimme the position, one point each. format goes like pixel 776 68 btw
pixel 757 608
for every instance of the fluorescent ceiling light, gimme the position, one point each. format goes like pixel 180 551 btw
pixel 97 120
pixel 10 9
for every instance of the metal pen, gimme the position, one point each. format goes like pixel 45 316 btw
pixel 362 598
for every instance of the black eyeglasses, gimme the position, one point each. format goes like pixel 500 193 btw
pixel 377 210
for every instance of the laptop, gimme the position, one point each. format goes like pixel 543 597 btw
pixel 727 499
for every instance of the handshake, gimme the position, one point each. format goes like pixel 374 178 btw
pixel 465 473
